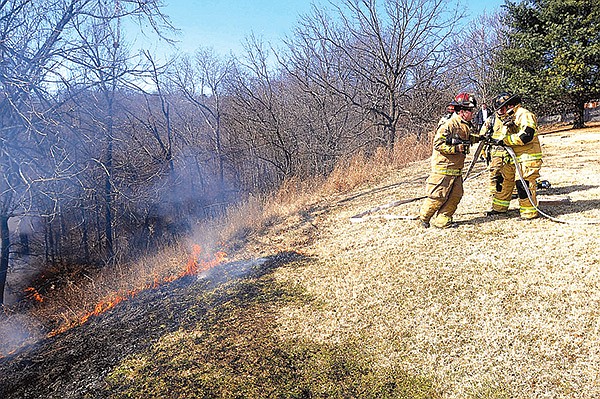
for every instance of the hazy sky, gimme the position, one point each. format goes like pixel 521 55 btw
pixel 223 24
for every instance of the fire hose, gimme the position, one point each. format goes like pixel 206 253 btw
pixel 530 197
pixel 361 217
pixel 368 214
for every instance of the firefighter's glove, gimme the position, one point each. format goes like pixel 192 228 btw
pixel 462 148
pixel 497 142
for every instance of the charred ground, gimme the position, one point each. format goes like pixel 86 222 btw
pixel 76 363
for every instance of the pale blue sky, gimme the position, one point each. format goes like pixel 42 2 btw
pixel 223 24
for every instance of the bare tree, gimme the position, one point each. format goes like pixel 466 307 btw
pixel 373 54
pixel 201 81
pixel 259 114
pixel 331 127
pixel 477 51
pixel 40 48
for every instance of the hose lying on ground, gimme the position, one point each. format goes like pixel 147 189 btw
pixel 368 214
pixel 361 217
pixel 530 197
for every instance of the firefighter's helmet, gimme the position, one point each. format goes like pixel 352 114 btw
pixel 505 99
pixel 464 101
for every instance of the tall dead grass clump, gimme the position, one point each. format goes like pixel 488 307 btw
pixel 295 193
pixel 411 149
pixel 237 222
pixel 68 304
pixel 361 169
pixel 256 212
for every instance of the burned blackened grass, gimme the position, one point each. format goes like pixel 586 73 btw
pixel 75 363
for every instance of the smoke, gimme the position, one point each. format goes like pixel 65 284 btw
pixel 22 225
pixel 230 271
pixel 16 331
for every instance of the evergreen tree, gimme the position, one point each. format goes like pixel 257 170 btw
pixel 552 55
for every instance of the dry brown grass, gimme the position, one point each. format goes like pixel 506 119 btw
pixel 70 304
pixel 360 170
pixel 498 308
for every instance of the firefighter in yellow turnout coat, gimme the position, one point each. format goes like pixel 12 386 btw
pixel 515 127
pixel 451 143
pixel 497 155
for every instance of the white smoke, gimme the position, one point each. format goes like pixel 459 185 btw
pixel 16 331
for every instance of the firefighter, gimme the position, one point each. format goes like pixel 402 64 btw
pixel 444 187
pixel 516 127
pixel 496 155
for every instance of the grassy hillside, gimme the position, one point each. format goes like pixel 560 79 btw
pixel 314 305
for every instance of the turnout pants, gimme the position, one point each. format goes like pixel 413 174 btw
pixel 508 179
pixel 496 178
pixel 443 195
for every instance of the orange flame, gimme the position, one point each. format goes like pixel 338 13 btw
pixel 32 293
pixel 193 266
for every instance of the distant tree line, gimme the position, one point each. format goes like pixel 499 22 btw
pixel 106 153
pixel 551 55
